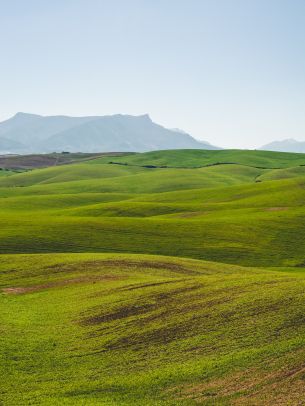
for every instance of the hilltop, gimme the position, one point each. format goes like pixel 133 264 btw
pixel 200 158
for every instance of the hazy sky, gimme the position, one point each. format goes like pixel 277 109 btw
pixel 231 72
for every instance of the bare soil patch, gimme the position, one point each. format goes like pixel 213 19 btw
pixel 276 208
pixel 54 284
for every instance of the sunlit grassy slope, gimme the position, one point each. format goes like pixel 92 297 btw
pixel 197 158
pixel 231 213
pixel 89 329
pixel 92 314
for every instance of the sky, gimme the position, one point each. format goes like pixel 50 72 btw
pixel 231 72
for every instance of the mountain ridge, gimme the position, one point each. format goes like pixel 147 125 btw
pixel 34 133
pixel 286 145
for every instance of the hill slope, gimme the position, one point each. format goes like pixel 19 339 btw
pixel 150 330
pixel 225 212
pixel 91 134
pixel 166 278
pixel 199 158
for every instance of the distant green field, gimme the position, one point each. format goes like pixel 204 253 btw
pixel 163 278
pixel 6 172
pixel 197 158
pixel 229 213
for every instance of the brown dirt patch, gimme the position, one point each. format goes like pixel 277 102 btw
pixel 149 285
pixel 121 313
pixel 124 263
pixel 276 208
pixel 283 386
pixel 192 214
pixel 167 266
pixel 54 284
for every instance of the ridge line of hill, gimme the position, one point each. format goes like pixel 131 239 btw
pixel 194 167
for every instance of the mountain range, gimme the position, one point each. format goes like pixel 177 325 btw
pixel 30 133
pixel 288 145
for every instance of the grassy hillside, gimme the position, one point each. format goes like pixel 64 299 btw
pixel 126 330
pixel 130 179
pixel 196 158
pixel 229 213
pixel 6 172
pixel 92 314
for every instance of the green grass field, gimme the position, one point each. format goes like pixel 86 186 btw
pixel 163 278
pixel 6 172
pixel 198 158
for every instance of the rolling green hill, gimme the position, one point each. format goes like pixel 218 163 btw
pixel 166 278
pixel 196 158
pixel 6 172
pixel 228 213
pixel 126 329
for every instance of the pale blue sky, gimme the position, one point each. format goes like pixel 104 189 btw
pixel 231 72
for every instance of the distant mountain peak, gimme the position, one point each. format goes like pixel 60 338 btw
pixel 119 132
pixel 21 114
pixel 146 117
pixel 287 145
pixel 292 140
